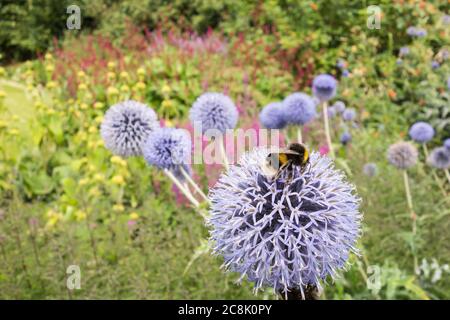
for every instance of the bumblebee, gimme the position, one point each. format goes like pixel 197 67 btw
pixel 296 154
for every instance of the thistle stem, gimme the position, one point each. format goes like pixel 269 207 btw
pixel 309 292
pixel 194 185
pixel 186 193
pixel 299 135
pixel 447 174
pixel 412 213
pixel 223 152
pixel 327 127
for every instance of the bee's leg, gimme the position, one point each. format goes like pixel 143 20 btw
pixel 280 170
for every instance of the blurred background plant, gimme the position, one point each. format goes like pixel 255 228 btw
pixel 66 200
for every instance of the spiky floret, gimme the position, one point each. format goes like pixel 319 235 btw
pixel 421 132
pixel 299 108
pixel 126 126
pixel 215 111
pixel 439 158
pixel 168 148
pixel 284 235
pixel 273 116
pixel 324 87
pixel 402 155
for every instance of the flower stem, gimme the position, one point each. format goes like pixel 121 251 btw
pixel 223 152
pixel 412 214
pixel 299 135
pixel 194 185
pixel 327 128
pixel 186 193
pixel 447 174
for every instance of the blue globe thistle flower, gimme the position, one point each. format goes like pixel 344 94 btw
pixel 421 132
pixel 446 19
pixel 324 87
pixel 402 155
pixel 439 158
pixel 339 106
pixel 370 169
pixel 332 112
pixel 349 114
pixel 340 64
pixel 126 126
pixel 272 116
pixel 420 32
pixel 168 148
pixel 299 108
pixel 404 51
pixel 284 235
pixel 345 73
pixel 411 31
pixel 346 137
pixel 447 143
pixel 215 111
pixel 435 65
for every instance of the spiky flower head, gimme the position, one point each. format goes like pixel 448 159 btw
pixel 168 148
pixel 215 111
pixel 346 137
pixel 299 108
pixel 125 127
pixel 416 32
pixel 421 132
pixel 402 155
pixel 447 144
pixel 324 87
pixel 349 114
pixel 332 112
pixel 404 51
pixel 439 158
pixel 370 169
pixel 340 106
pixel 284 235
pixel 272 116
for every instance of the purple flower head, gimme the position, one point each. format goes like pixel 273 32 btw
pixel 439 158
pixel 168 148
pixel 341 64
pixel 370 169
pixel 126 126
pixel 339 106
pixel 346 137
pixel 332 112
pixel 447 144
pixel 299 108
pixel 349 114
pixel 435 65
pixel 420 32
pixel 324 87
pixel 272 116
pixel 448 83
pixel 446 19
pixel 402 155
pixel 284 235
pixel 411 31
pixel 345 73
pixel 404 51
pixel 421 132
pixel 215 111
